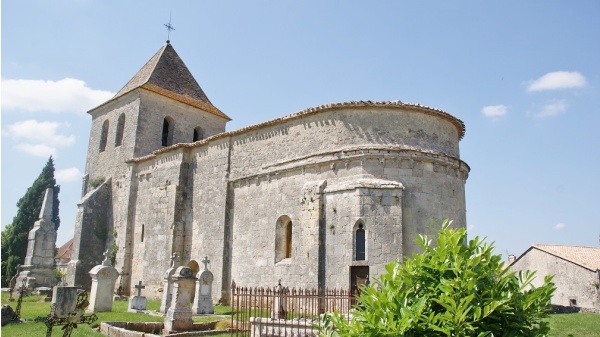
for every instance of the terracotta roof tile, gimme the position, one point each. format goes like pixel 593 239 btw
pixel 588 257
pixel 65 251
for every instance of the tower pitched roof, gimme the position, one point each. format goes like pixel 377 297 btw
pixel 166 74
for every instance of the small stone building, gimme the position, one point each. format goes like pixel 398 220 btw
pixel 324 197
pixel 576 272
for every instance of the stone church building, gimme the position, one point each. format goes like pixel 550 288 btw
pixel 323 197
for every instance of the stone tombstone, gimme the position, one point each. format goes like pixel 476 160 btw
pixel 137 302
pixel 179 315
pixel 203 299
pixel 103 277
pixel 65 299
pixel 165 302
pixel 39 260
pixel 279 303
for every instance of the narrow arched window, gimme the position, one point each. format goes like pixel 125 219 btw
pixel 288 240
pixel 283 238
pixel 198 134
pixel 359 244
pixel 142 236
pixel 167 131
pixel 103 136
pixel 120 128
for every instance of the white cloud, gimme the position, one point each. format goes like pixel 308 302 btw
pixel 66 95
pixel 39 138
pixel 559 226
pixel 40 132
pixel 494 111
pixel 557 80
pixel 38 150
pixel 552 109
pixel 68 175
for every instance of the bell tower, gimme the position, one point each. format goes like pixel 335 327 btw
pixel 162 105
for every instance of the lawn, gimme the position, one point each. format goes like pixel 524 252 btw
pixel 562 325
pixel 32 308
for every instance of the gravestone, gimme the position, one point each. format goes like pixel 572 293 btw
pixel 179 315
pixel 203 299
pixel 165 302
pixel 71 319
pixel 65 300
pixel 103 277
pixel 7 314
pixel 137 302
pixel 39 261
pixel 119 296
pixel 279 302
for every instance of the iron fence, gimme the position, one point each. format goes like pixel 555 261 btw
pixel 283 311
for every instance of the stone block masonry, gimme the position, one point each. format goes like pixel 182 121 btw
pixel 324 197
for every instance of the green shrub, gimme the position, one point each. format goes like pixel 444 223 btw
pixel 453 288
pixel 96 182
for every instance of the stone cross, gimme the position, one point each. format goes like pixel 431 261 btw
pixel 105 262
pixel 205 261
pixel 139 288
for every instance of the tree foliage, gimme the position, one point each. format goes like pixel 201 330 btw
pixel 453 288
pixel 14 237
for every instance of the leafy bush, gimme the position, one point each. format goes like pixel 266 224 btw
pixel 96 182
pixel 453 288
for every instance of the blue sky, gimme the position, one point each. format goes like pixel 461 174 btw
pixel 523 76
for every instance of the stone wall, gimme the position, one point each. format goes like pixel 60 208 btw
pixel 393 167
pixel 93 235
pixel 572 281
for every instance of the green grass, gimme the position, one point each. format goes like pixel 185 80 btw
pixel 575 325
pixel 562 325
pixel 32 308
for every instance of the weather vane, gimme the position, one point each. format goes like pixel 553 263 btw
pixel 169 29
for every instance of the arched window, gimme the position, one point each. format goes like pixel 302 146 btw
pixel 359 243
pixel 167 131
pixel 283 238
pixel 120 127
pixel 142 236
pixel 103 136
pixel 198 135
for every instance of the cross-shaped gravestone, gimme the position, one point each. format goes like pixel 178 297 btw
pixel 120 289
pixel 22 290
pixel 71 320
pixel 137 303
pixel 173 258
pixel 206 261
pixel 105 262
pixel 139 288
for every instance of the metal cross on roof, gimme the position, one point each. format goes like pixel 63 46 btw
pixel 169 29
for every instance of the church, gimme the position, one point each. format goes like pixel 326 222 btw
pixel 323 197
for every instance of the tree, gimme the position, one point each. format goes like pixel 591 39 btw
pixel 14 237
pixel 453 288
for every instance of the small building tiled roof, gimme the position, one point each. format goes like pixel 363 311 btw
pixel 166 74
pixel 587 257
pixel 65 251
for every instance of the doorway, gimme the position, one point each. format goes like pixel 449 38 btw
pixel 359 275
